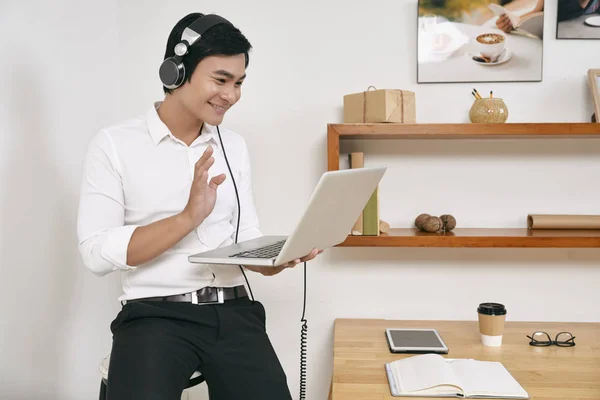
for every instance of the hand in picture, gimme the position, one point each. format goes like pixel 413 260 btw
pixel 503 23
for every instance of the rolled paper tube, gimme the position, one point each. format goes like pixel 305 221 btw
pixel 383 226
pixel 563 221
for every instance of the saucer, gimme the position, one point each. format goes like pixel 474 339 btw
pixel 503 58
pixel 593 21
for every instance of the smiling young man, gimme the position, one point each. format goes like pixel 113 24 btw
pixel 158 188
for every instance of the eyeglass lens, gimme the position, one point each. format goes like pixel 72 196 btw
pixel 541 339
pixel 564 338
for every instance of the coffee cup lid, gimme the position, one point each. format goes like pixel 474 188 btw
pixel 491 309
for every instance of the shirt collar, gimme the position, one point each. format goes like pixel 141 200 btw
pixel 158 130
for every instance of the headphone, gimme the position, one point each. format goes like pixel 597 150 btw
pixel 172 70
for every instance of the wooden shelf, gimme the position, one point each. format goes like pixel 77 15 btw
pixel 465 237
pixel 479 237
pixel 467 131
pixel 551 130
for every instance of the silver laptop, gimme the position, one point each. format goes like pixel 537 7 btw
pixel 333 208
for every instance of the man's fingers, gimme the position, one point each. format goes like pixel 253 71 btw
pixel 204 165
pixel 306 258
pixel 275 270
pixel 205 156
pixel 201 179
pixel 310 256
pixel 216 181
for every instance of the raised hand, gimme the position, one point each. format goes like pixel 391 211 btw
pixel 203 194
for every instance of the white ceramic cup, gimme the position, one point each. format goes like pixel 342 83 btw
pixel 490 44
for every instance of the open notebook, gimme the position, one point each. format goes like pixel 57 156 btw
pixel 432 375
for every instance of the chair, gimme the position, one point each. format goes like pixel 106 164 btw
pixel 195 379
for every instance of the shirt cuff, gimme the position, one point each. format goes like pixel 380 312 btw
pixel 114 249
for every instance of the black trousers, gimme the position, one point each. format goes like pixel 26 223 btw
pixel 157 346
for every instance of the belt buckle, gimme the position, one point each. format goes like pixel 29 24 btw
pixel 220 297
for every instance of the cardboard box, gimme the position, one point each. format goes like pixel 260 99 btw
pixel 385 105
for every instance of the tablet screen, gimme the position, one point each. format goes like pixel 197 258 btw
pixel 415 339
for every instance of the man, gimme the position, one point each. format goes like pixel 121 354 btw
pixel 158 188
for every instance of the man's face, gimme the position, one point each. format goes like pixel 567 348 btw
pixel 214 88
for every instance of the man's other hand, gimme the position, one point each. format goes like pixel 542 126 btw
pixel 268 271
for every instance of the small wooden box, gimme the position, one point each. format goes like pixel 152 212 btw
pixel 384 105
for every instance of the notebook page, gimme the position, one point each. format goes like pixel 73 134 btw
pixel 486 378
pixel 422 372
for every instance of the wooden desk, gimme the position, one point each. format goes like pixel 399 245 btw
pixel 547 373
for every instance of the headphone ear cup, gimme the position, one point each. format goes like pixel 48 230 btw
pixel 172 72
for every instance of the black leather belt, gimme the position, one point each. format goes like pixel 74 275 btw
pixel 207 295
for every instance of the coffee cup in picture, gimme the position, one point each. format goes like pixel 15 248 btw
pixel 491 323
pixel 490 44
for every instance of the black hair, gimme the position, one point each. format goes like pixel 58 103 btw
pixel 221 39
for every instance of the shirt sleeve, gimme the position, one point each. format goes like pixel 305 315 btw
pixel 249 225
pixel 103 237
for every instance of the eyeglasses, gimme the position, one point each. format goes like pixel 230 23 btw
pixel 563 339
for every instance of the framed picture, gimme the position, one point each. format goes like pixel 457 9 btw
pixel 594 77
pixel 578 19
pixel 480 41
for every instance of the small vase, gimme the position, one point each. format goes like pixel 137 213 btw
pixel 488 111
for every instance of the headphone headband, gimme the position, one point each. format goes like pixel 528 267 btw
pixel 197 28
pixel 172 70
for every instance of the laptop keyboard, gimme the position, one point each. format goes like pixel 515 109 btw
pixel 269 251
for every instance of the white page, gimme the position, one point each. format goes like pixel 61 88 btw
pixel 486 378
pixel 423 371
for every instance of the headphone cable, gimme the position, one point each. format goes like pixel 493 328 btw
pixel 303 337
pixel 304 328
pixel 237 230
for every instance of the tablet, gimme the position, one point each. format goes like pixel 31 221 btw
pixel 407 340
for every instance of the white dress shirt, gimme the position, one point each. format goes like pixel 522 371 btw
pixel 136 173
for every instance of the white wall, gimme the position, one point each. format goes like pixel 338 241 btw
pixel 58 86
pixel 306 56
